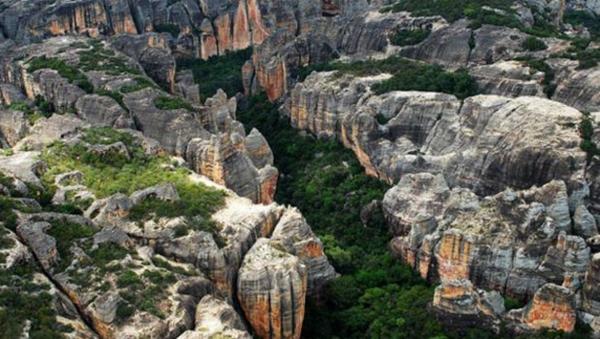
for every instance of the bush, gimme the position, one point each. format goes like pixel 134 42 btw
pixel 409 37
pixel 534 44
pixel 586 19
pixel 66 234
pixel 169 103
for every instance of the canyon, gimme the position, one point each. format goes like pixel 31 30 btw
pixel 360 152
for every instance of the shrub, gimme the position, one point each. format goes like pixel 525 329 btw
pixel 129 279
pixel 98 58
pixel 534 44
pixel 26 302
pixel 584 18
pixel 409 37
pixel 169 103
pixel 66 234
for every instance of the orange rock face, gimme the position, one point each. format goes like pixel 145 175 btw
pixel 241 28
pixel 552 307
pixel 224 37
pixel 268 188
pixel 454 256
pixel 259 32
pixel 79 19
pixel 273 79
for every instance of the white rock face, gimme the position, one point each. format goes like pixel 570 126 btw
pixel 486 143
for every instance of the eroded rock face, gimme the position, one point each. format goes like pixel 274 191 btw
pixel 552 307
pixel 519 243
pixel 508 78
pixel 138 276
pixel 208 136
pixel 295 235
pixel 272 286
pixel 460 304
pixel 214 318
pixel 470 144
pixel 512 242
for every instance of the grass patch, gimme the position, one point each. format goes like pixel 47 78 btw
pixel 115 173
pixel 169 103
pixel 218 72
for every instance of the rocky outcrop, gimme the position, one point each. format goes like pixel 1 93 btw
pixel 153 53
pixel 508 78
pixel 271 289
pixel 128 274
pixel 552 307
pixel 517 243
pixel 294 233
pixel 214 318
pixel 208 136
pixel 459 304
pixel 277 61
pixel 471 144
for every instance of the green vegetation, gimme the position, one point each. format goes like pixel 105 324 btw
pixel 511 303
pixel 69 72
pixel 407 75
pixel 114 172
pixel 117 96
pixel 105 253
pixel 140 84
pixel 22 299
pixel 586 130
pixel 40 108
pixel 407 37
pixel 67 234
pixel 218 72
pixel 533 44
pixel 143 292
pixel 98 58
pixel 586 19
pixel 168 28
pixel 376 296
pixel 168 103
pixel 480 12
pixel 542 66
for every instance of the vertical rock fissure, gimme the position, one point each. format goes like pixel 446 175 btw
pixel 56 285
